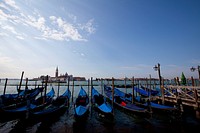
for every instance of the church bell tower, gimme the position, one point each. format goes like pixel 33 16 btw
pixel 56 75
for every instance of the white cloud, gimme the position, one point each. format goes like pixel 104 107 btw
pixel 195 61
pixel 20 37
pixel 60 22
pixel 10 29
pixel 172 65
pixel 55 36
pixel 71 32
pixel 88 27
pixel 4 6
pixel 3 34
pixel 131 68
pixel 4 60
pixel 12 4
pixel 53 18
pixel 66 30
pixel 57 28
pixel 39 23
pixel 82 54
pixel 40 38
pixel 73 17
pixel 4 16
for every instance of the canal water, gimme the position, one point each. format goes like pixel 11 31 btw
pixel 123 122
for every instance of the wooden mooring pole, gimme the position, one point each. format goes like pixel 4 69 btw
pixel 58 88
pixel 35 83
pixel 45 90
pixel 133 95
pixel 88 86
pixel 163 97
pixel 20 83
pixel 113 92
pixel 68 84
pixel 26 87
pixel 101 86
pixel 91 102
pixel 4 91
pixel 91 88
pixel 197 109
pixel 149 86
pixel 72 90
pixel 125 84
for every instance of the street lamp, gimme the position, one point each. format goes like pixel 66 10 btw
pixel 198 69
pixel 157 68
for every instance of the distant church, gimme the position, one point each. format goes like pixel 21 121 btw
pixel 61 77
pixel 64 77
pixel 56 74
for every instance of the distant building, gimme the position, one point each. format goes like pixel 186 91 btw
pixel 56 74
pixel 62 78
pixel 79 78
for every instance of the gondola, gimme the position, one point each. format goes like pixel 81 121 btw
pixel 23 110
pixel 81 107
pixel 11 99
pixel 150 105
pixel 149 91
pixel 102 107
pixel 59 105
pixel 122 104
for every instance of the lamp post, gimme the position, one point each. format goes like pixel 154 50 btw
pixel 198 69
pixel 157 68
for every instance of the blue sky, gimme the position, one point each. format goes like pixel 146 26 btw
pixel 99 38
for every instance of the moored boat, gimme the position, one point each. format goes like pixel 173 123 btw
pixel 103 108
pixel 81 107
pixel 123 104
pixel 11 99
pixel 58 106
pixel 23 110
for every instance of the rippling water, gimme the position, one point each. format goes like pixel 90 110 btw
pixel 122 123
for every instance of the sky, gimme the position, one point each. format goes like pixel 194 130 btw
pixel 99 38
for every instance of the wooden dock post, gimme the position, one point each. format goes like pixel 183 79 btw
pixel 157 68
pixel 72 90
pixel 175 83
pixel 35 83
pixel 4 91
pixel 68 103
pixel 113 92
pixel 58 88
pixel 45 90
pixel 101 86
pixel 146 84
pixel 20 84
pixel 91 102
pixel 68 84
pixel 197 104
pixel 138 86
pixel 26 86
pixel 178 83
pixel 154 83
pixel 133 95
pixel 192 81
pixel 88 86
pixel 91 89
pixel 162 86
pixel 125 84
pixel 150 86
